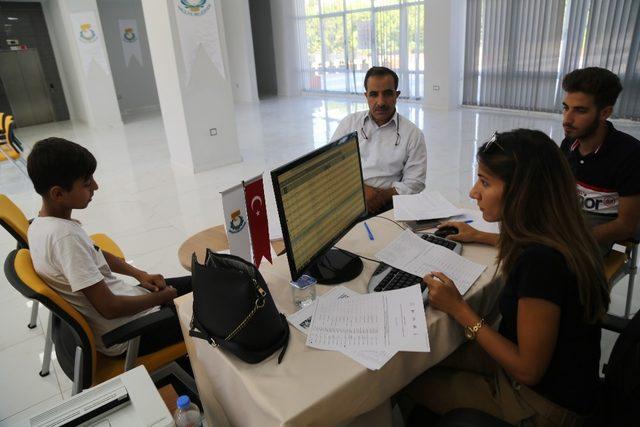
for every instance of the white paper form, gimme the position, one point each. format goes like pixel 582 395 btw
pixel 392 320
pixel 410 253
pixel 370 359
pixel 425 205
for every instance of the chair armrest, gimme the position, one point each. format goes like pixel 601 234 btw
pixel 136 327
pixel 614 323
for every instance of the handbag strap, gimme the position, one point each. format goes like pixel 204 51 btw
pixel 257 305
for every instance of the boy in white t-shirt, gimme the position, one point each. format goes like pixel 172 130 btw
pixel 68 261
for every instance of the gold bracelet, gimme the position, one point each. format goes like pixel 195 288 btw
pixel 470 332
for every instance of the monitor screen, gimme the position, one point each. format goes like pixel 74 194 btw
pixel 320 196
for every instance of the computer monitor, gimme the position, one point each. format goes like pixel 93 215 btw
pixel 320 196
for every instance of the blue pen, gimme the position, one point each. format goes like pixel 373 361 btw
pixel 469 221
pixel 368 231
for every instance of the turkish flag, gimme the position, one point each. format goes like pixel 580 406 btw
pixel 258 223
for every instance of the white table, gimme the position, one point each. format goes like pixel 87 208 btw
pixel 314 387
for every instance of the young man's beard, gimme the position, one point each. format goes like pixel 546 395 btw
pixel 590 130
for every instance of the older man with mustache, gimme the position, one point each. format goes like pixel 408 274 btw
pixel 392 149
pixel 604 160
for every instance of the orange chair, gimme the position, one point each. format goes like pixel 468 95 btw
pixel 10 148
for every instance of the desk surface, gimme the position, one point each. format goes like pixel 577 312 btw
pixel 214 238
pixel 314 387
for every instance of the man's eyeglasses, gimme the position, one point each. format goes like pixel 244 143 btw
pixel 397 130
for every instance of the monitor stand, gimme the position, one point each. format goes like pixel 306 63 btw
pixel 335 267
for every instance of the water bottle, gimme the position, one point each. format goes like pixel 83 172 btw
pixel 187 414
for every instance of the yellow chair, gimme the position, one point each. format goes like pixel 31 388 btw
pixel 75 342
pixel 16 223
pixel 11 147
pixel 620 264
pixel 2 138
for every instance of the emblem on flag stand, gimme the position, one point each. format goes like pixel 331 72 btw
pixel 244 204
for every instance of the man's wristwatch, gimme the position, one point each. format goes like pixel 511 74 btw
pixel 470 332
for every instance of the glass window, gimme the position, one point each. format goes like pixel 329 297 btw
pixel 329 6
pixel 342 39
pixel 358 4
pixel 311 7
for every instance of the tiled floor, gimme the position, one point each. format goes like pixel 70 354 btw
pixel 149 207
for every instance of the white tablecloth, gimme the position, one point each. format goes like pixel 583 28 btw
pixel 314 387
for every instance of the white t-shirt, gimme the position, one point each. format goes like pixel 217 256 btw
pixel 66 259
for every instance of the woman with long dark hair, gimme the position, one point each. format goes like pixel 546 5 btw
pixel 541 366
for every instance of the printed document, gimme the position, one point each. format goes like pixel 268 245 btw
pixel 410 253
pixel 381 321
pixel 370 359
pixel 425 205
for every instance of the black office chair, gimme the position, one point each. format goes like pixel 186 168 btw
pixel 619 400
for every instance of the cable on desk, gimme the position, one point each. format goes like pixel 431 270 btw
pixel 389 219
pixel 356 255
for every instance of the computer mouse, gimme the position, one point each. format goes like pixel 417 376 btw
pixel 446 231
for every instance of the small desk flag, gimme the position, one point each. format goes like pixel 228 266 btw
pixel 258 223
pixel 236 223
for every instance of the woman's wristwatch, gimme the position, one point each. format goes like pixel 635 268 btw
pixel 470 332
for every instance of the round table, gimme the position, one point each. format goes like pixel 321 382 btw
pixel 214 238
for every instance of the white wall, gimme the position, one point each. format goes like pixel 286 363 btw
pixel 443 51
pixel 91 96
pixel 237 30
pixel 285 44
pixel 135 84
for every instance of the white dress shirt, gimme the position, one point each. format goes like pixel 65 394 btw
pixel 392 155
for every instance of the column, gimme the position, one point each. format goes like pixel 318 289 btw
pixel 443 53
pixel 187 46
pixel 79 45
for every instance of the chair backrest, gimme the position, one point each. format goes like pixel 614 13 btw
pixel 4 119
pixel 14 221
pixel 622 377
pixel 12 139
pixel 5 122
pixel 70 327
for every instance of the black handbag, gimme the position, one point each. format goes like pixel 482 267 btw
pixel 233 309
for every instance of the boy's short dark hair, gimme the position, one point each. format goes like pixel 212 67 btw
pixel 380 71
pixel 56 161
pixel 600 83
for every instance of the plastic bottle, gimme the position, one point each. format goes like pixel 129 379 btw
pixel 187 414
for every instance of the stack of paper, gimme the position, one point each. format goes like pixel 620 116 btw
pixel 410 253
pixel 425 205
pixel 369 328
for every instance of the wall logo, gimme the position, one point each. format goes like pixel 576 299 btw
pixel 87 34
pixel 194 7
pixel 237 222
pixel 129 36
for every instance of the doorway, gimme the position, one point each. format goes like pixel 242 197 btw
pixel 263 52
pixel 25 87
